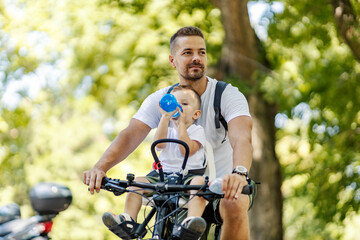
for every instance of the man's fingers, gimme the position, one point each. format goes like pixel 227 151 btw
pixel 238 191
pixel 93 179
pixel 87 181
pixel 225 185
pixel 228 185
pixel 86 177
pixel 91 184
pixel 242 184
pixel 234 188
pixel 98 182
pixel 233 185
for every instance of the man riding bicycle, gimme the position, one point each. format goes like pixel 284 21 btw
pixel 232 148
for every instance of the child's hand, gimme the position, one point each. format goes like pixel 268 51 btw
pixel 180 120
pixel 165 114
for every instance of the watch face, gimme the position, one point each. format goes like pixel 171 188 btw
pixel 241 169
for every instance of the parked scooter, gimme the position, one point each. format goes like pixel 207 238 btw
pixel 47 199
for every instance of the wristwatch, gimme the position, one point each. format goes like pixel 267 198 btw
pixel 241 170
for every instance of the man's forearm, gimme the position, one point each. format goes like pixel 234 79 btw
pixel 240 140
pixel 242 153
pixel 112 156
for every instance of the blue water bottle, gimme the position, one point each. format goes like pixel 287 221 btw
pixel 168 103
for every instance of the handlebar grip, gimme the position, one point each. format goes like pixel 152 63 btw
pixel 104 181
pixel 247 189
pixel 216 187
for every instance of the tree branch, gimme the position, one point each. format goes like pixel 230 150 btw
pixel 348 25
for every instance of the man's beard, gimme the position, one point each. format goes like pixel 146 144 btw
pixel 195 76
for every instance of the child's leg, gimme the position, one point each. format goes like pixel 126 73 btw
pixel 133 200
pixel 197 204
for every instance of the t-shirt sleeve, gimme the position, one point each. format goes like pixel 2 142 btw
pixel 148 112
pixel 197 133
pixel 233 103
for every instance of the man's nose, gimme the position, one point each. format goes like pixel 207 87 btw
pixel 196 58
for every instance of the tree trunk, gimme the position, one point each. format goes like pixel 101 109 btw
pixel 240 58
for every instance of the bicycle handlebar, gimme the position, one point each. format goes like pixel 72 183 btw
pixel 118 186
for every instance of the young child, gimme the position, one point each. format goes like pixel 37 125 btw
pixel 171 158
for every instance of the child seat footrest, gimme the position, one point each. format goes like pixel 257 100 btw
pixel 126 230
pixel 179 232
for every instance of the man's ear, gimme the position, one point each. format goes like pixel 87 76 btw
pixel 197 114
pixel 171 60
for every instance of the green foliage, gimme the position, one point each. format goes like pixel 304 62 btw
pixel 86 66
pixel 77 71
pixel 319 145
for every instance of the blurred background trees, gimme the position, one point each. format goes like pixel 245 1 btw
pixel 72 73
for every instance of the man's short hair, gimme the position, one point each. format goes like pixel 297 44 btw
pixel 184 32
pixel 187 87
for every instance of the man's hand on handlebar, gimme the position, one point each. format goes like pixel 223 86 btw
pixel 93 178
pixel 232 185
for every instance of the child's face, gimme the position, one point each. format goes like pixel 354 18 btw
pixel 187 99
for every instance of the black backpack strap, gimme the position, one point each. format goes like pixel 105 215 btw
pixel 220 87
pixel 172 87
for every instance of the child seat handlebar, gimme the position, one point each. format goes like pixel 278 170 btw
pixel 157 161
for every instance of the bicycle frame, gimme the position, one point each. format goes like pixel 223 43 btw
pixel 165 204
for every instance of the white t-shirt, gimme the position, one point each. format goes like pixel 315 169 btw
pixel 233 104
pixel 171 158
